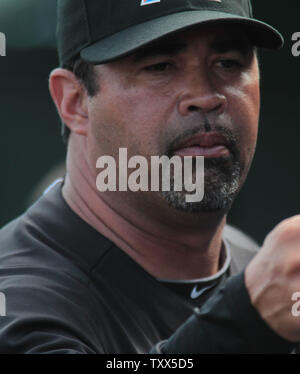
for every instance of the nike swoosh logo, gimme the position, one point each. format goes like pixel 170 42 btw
pixel 195 293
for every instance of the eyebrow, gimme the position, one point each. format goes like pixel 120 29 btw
pixel 161 49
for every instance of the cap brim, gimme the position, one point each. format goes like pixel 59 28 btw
pixel 130 39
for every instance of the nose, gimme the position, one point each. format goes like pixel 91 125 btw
pixel 201 95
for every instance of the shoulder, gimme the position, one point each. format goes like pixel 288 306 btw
pixel 24 244
pixel 45 310
pixel 46 305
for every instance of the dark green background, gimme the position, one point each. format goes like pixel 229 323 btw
pixel 30 128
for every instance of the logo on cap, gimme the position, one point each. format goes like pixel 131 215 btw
pixel 148 2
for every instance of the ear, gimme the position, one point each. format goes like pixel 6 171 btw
pixel 70 99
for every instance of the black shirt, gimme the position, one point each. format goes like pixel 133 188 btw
pixel 68 289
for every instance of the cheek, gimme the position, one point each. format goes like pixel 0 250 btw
pixel 141 118
pixel 128 119
pixel 244 108
pixel 102 134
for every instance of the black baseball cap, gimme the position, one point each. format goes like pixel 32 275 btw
pixel 105 30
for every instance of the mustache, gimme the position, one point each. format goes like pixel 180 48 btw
pixel 232 142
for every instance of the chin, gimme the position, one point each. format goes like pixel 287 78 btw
pixel 211 203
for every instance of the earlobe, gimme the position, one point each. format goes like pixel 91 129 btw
pixel 70 99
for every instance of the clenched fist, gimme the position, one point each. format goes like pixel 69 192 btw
pixel 273 277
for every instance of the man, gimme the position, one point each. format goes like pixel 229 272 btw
pixel 90 271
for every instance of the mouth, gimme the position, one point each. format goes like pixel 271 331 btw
pixel 208 145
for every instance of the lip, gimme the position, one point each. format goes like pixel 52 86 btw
pixel 207 152
pixel 210 145
pixel 204 140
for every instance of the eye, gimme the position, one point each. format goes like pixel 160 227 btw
pixel 230 64
pixel 159 67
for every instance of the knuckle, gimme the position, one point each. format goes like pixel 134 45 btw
pixel 288 231
pixel 293 268
pixel 289 267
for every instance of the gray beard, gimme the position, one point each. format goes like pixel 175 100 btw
pixel 221 186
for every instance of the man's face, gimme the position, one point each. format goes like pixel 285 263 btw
pixel 199 87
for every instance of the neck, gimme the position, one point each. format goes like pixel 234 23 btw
pixel 166 243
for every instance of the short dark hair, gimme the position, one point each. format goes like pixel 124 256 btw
pixel 86 74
